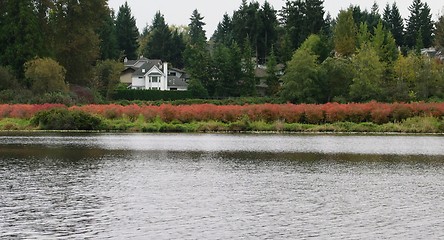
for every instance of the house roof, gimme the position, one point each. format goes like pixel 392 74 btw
pixel 174 81
pixel 146 67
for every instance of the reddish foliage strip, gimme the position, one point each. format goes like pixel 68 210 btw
pixel 290 113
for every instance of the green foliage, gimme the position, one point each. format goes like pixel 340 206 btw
pixel 419 30
pixel 20 36
pixel 46 75
pixel 150 95
pixel 272 79
pixel 247 82
pixel 196 31
pixel 394 23
pixel 303 80
pixel 163 43
pixel 227 70
pixel 197 90
pixel 107 76
pixel 7 79
pixel 345 34
pixel 301 19
pixel 77 43
pixel 63 119
pixel 367 81
pixel 317 45
pixel 109 47
pixel 439 32
pixel 338 78
pixel 127 32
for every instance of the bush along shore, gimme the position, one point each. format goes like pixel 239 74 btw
pixel 332 117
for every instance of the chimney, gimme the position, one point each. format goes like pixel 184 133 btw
pixel 125 60
pixel 165 73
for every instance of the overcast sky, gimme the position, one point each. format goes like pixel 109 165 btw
pixel 178 12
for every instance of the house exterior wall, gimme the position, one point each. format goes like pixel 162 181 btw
pixel 154 79
pixel 126 77
pixel 177 88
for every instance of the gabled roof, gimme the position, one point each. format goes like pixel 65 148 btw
pixel 146 66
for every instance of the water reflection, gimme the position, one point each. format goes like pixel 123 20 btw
pixel 219 187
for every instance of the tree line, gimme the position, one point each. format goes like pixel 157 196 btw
pixel 72 48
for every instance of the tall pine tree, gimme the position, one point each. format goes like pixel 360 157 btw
pixel 76 40
pixel 127 32
pixel 20 35
pixel 419 25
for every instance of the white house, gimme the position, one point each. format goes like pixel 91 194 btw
pixel 153 75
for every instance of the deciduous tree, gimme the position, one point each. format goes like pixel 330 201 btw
pixel 303 80
pixel 46 75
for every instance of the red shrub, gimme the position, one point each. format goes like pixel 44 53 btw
pixel 314 114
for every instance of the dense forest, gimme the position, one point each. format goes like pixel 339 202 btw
pixel 72 51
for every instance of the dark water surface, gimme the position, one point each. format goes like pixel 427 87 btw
pixel 202 186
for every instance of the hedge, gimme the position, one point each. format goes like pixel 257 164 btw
pixel 151 95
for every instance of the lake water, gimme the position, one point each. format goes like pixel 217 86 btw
pixel 204 186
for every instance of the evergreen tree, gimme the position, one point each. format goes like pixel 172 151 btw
pixel 247 81
pixel 387 17
pixel 268 34
pixel 368 75
pixel 439 33
pixel 371 18
pixel 302 18
pixel 246 23
pixel 224 71
pixel 338 78
pixel 159 41
pixel 397 25
pixel 419 24
pixel 272 77
pixel 127 32
pixel 198 64
pixel 176 49
pixel 364 36
pixel 20 36
pixel 197 58
pixel 109 47
pixel 76 40
pixel 224 31
pixel 43 8
pixel 345 34
pixel 196 31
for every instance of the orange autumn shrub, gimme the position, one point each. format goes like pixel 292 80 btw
pixel 290 113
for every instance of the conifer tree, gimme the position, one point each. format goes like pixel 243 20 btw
pixel 272 79
pixel 159 41
pixel 20 36
pixel 439 32
pixel 127 32
pixel 345 33
pixel 109 47
pixel 76 39
pixel 419 25
pixel 196 31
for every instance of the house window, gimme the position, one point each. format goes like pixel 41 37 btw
pixel 173 89
pixel 154 79
pixel 155 88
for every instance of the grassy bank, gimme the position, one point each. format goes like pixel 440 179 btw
pixel 410 125
pixel 331 117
